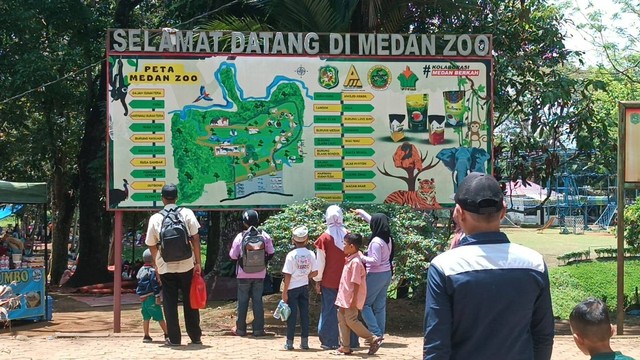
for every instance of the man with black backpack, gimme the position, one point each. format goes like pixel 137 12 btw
pixel 172 237
pixel 252 248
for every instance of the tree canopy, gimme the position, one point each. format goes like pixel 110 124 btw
pixel 53 86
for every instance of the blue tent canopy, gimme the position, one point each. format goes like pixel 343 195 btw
pixel 8 210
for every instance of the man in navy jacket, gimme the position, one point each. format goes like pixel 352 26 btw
pixel 487 298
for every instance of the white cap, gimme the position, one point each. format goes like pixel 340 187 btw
pixel 300 233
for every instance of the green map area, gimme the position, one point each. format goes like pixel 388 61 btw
pixel 256 139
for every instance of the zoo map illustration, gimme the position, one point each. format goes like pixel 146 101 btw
pixel 269 131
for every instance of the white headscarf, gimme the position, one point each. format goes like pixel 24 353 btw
pixel 335 228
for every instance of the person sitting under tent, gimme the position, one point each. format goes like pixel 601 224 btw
pixel 16 246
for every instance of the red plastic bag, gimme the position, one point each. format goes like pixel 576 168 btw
pixel 198 292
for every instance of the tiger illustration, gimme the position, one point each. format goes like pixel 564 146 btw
pixel 423 199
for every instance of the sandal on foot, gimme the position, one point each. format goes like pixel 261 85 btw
pixel 375 345
pixel 338 352
pixel 234 331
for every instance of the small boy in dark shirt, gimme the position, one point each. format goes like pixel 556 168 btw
pixel 149 291
pixel 592 330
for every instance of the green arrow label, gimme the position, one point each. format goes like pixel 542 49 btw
pixel 148 174
pixel 327 119
pixel 328 164
pixel 146 196
pixel 329 186
pixel 327 141
pixel 357 130
pixel 327 96
pixel 146 104
pixel 359 197
pixel 147 150
pixel 147 127
pixel 358 152
pixel 364 174
pixel 357 107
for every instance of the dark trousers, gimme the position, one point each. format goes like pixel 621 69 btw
pixel 250 289
pixel 171 283
pixel 298 301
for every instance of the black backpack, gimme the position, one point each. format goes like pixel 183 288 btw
pixel 174 236
pixel 254 257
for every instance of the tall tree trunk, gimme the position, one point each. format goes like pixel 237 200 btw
pixel 63 207
pixel 94 246
pixel 213 241
pixel 96 223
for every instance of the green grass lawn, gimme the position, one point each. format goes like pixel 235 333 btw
pixel 573 283
pixel 552 244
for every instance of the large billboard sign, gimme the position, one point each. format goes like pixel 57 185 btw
pixel 267 119
pixel 630 114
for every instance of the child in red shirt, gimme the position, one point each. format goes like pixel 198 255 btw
pixel 352 293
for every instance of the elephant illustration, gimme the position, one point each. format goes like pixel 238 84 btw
pixel 463 160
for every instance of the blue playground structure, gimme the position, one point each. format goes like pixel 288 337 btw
pixel 577 205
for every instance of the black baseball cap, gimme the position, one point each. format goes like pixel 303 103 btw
pixel 480 193
pixel 250 217
pixel 170 191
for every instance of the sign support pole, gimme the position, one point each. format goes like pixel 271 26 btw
pixel 628 178
pixel 117 272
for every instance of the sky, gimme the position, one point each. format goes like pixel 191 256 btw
pixel 580 39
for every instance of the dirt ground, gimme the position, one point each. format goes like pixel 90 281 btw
pixel 405 317
pixel 80 331
pixel 74 316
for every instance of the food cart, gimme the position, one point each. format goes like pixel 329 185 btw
pixel 30 283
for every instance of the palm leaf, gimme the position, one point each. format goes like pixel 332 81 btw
pixel 233 23
pixel 308 15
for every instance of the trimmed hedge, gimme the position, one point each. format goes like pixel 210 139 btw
pixel 574 256
pixel 602 253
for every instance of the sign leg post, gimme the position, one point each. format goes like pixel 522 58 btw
pixel 117 272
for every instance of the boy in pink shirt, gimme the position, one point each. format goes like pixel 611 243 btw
pixel 352 293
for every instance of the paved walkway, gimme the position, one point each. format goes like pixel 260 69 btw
pixel 222 347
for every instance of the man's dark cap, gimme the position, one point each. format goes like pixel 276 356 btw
pixel 480 193
pixel 170 191
pixel 250 217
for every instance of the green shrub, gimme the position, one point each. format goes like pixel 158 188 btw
pixel 573 283
pixel 575 256
pixel 632 224
pixel 606 252
pixel 416 239
pixel 613 252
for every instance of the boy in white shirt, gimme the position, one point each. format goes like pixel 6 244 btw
pixel 299 266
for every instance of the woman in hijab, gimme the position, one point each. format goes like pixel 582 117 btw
pixel 379 270
pixel 330 260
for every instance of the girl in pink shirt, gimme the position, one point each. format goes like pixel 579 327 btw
pixel 352 292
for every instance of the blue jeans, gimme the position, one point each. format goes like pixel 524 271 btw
pixel 298 301
pixel 250 288
pixel 374 312
pixel 328 324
